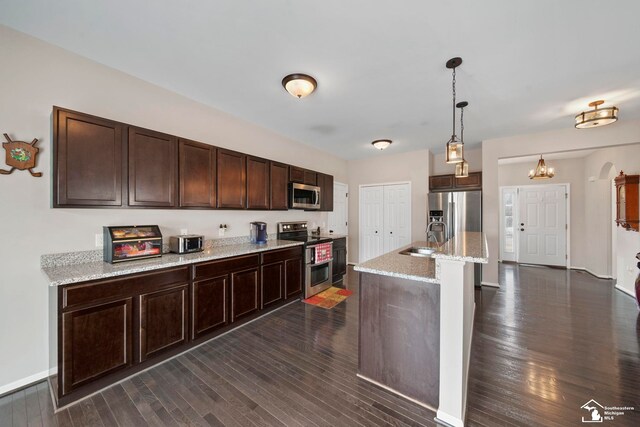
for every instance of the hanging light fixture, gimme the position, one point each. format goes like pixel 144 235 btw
pixel 597 116
pixel 462 168
pixel 541 171
pixel 455 147
pixel 299 85
pixel 381 144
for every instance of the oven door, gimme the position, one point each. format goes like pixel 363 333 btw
pixel 303 196
pixel 318 278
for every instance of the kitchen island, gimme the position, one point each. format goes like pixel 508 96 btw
pixel 416 322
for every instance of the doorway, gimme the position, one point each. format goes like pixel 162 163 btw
pixel 534 224
pixel 385 218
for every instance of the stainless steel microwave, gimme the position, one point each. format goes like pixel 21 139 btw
pixel 302 196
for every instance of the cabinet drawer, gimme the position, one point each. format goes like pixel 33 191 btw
pixel 107 290
pixel 225 266
pixel 340 243
pixel 281 254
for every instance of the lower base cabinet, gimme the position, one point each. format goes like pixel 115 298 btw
pixel 339 259
pixel 110 329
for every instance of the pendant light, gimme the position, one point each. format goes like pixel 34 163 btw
pixel 462 168
pixel 455 147
pixel 597 116
pixel 541 171
pixel 299 85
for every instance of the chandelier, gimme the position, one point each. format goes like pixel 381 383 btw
pixel 462 168
pixel 597 116
pixel 455 147
pixel 541 171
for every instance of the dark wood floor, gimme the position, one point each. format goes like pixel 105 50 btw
pixel 544 344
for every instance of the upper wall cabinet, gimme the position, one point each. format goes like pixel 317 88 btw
pixel 279 180
pixel 257 183
pixel 87 165
pixel 451 183
pixel 153 161
pixel 325 182
pixel 296 174
pixel 197 174
pixel 232 179
pixel 310 177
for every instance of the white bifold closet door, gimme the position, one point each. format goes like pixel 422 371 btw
pixel 385 219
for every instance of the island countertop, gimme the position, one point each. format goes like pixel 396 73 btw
pixel 82 272
pixel 466 246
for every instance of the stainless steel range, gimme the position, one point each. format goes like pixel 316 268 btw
pixel 318 255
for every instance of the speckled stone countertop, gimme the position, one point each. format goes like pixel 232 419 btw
pixel 467 246
pixel 74 273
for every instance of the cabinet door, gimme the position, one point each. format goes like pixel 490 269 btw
pixel 293 277
pixel 245 293
pixel 163 321
pixel 197 174
pixel 473 181
pixel 272 281
pixel 87 161
pixel 257 183
pixel 153 163
pixel 232 180
pixel 209 302
pixel 326 192
pixel 310 177
pixel 441 182
pixel 296 174
pixel 95 342
pixel 339 262
pixel 279 179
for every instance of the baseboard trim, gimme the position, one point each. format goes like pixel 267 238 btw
pixel 429 407
pixel 490 284
pixel 23 383
pixel 623 290
pixel 591 273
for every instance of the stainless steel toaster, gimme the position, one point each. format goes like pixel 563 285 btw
pixel 186 243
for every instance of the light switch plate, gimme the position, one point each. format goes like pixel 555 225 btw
pixel 99 240
pixel 221 232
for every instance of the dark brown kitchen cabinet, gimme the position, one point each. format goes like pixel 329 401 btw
pixel 163 320
pixel 310 177
pixel 325 182
pixel 87 160
pixel 279 186
pixel 153 168
pixel 209 302
pixel 245 293
pixel 451 183
pixel 339 259
pixel 293 276
pixel 197 174
pixel 257 183
pixel 296 174
pixel 232 179
pixel 96 341
pixel 272 276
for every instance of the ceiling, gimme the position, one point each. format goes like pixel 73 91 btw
pixel 528 66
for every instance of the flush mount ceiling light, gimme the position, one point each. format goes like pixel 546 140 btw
pixel 455 147
pixel 597 116
pixel 381 144
pixel 462 168
pixel 299 85
pixel 541 171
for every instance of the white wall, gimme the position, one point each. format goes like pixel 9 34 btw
pixel 568 171
pixel 623 132
pixel 438 166
pixel 34 77
pixel 598 165
pixel 412 166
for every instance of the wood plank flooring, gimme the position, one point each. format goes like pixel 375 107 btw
pixel 544 344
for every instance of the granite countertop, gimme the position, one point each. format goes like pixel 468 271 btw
pixel 82 272
pixel 467 246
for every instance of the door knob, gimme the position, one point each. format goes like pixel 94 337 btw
pixel 391 232
pixel 376 232
pixel 522 229
pixel 522 223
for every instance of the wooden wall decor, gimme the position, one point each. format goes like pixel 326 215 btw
pixel 20 155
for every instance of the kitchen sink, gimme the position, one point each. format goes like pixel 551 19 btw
pixel 419 252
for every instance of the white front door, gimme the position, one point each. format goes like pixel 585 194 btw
pixel 371 222
pixel 542 227
pixel 508 223
pixel 397 216
pixel 338 217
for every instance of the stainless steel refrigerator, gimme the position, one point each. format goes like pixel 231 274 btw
pixel 460 211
